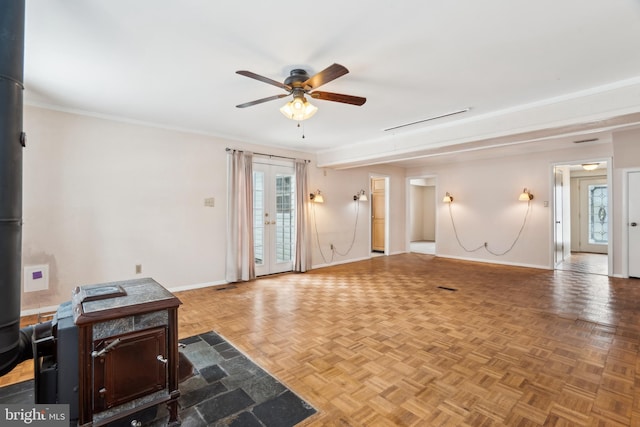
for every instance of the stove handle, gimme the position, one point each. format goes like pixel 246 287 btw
pixel 105 350
pixel 162 359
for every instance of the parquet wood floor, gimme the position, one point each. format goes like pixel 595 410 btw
pixel 584 262
pixel 381 343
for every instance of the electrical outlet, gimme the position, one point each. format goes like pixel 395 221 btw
pixel 331 246
pixel 138 268
pixel 210 202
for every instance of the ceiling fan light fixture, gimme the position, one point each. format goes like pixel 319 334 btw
pixel 298 109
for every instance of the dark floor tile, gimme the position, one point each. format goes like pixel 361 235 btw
pixel 222 406
pixel 18 393
pixel 212 338
pixel 284 411
pixel 263 388
pixel 239 379
pixel 191 418
pixel 212 373
pixel 190 340
pixel 243 419
pixel 201 355
pixel 198 395
pixel 226 350
pixel 241 366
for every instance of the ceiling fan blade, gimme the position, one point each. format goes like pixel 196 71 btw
pixel 338 97
pixel 260 101
pixel 330 73
pixel 263 79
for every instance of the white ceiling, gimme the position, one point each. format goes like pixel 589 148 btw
pixel 526 70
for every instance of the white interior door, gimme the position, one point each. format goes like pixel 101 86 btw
pixel 274 218
pixel 633 226
pixel 558 217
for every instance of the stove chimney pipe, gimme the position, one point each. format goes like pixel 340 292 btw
pixel 15 345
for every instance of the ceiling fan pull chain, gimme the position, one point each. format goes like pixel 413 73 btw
pixel 302 129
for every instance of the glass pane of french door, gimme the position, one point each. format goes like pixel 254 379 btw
pixel 274 218
pixel 285 217
pixel 258 217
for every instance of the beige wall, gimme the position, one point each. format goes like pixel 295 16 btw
pixel 335 220
pixel 101 196
pixel 486 206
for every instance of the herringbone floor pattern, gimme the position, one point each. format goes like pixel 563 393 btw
pixel 382 342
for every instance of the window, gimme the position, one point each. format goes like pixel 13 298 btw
pixel 598 216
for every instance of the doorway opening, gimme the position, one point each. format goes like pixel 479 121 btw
pixel 379 186
pixel 422 215
pixel 582 217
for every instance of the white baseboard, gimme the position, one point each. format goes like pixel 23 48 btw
pixel 40 310
pixel 486 261
pixel 53 308
pixel 197 286
pixel 348 261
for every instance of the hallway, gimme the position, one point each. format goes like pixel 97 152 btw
pixel 584 262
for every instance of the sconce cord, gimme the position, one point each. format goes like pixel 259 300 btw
pixel 455 231
pixel 315 226
pixel 486 245
pixel 334 250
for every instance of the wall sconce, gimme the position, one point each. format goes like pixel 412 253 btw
pixel 525 196
pixel 590 166
pixel 360 196
pixel 448 198
pixel 316 197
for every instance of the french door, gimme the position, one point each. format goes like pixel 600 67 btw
pixel 274 217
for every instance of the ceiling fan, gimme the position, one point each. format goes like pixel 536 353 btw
pixel 300 84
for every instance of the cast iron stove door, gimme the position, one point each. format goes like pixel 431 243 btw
pixel 128 366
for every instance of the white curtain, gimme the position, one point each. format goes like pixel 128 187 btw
pixel 302 258
pixel 240 263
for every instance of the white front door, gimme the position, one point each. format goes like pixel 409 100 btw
pixel 274 218
pixel 633 225
pixel 594 215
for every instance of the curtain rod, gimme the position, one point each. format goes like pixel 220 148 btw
pixel 268 155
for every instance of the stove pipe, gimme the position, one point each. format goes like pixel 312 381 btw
pixel 15 345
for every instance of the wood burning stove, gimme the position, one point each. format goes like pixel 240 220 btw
pixel 126 338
